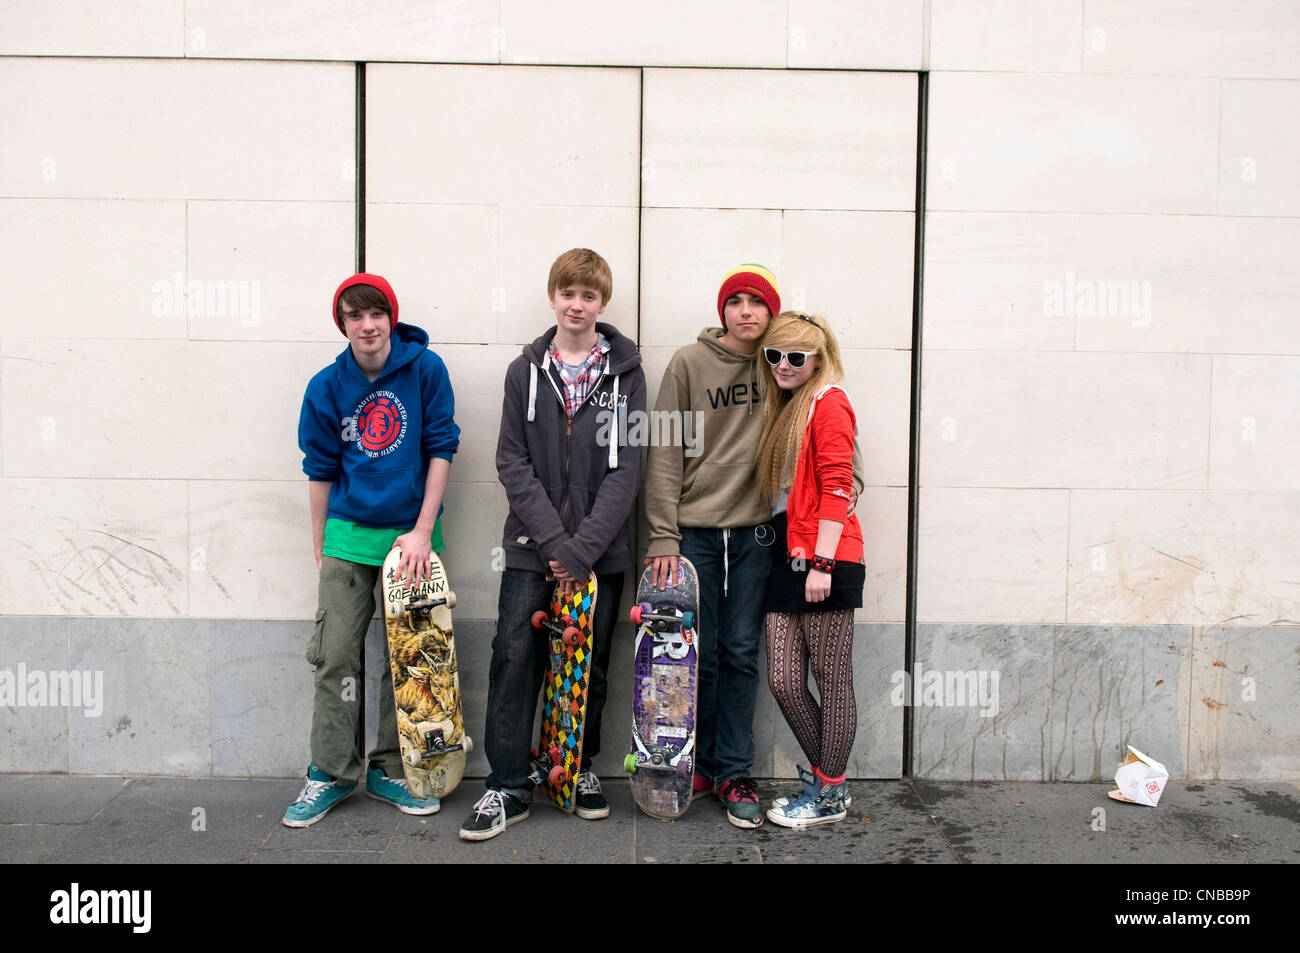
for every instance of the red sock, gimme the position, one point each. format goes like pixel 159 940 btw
pixel 826 779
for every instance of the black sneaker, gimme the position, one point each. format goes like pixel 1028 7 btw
pixel 741 799
pixel 494 812
pixel 591 805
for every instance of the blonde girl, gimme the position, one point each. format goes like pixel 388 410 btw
pixel 805 470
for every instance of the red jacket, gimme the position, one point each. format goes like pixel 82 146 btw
pixel 823 479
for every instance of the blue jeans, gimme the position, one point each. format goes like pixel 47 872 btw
pixel 520 658
pixel 733 565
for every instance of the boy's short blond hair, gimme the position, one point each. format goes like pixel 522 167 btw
pixel 581 266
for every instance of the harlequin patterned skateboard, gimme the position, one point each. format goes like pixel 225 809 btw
pixel 665 673
pixel 426 685
pixel 568 626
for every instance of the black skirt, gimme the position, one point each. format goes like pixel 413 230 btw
pixel 785 586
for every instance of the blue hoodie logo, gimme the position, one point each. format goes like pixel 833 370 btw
pixel 378 424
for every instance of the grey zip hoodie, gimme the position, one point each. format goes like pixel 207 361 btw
pixel 570 483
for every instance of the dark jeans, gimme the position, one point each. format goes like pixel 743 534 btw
pixel 732 565
pixel 520 658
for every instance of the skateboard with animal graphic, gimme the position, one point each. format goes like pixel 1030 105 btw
pixel 426 685
pixel 558 756
pixel 666 675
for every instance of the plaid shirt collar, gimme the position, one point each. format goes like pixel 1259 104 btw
pixel 579 385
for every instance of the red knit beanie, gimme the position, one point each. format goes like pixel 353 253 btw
pixel 755 279
pixel 377 282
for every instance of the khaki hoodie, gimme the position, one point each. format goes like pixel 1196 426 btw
pixel 718 488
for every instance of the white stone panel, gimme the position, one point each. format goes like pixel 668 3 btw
pixel 1050 419
pixel 1062 143
pixel 879 385
pixel 779 139
pixel 164 129
pixel 882 514
pixel 1191 282
pixel 438 134
pixel 250 551
pixel 854 269
pixel 1259 143
pixel 1256 38
pixel 630 33
pixel 654 361
pixel 92 28
pixel 443 263
pixel 985 279
pixel 991 555
pixel 1255 423
pixel 533 236
pixel 94 547
pixel 477 376
pixel 1198 558
pixel 155 409
pixel 266 271
pixel 95 264
pixel 1031 36
pixel 409 30
pixel 866 34
pixel 685 253
pixel 472 520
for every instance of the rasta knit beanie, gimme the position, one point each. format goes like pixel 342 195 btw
pixel 377 282
pixel 755 279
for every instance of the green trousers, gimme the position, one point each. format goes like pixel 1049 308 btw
pixel 345 607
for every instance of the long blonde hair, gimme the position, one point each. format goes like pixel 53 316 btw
pixel 786 412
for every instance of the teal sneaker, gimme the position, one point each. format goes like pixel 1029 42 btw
pixel 392 791
pixel 825 806
pixel 318 795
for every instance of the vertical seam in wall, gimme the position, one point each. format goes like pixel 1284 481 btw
pixel 640 290
pixel 360 198
pixel 914 423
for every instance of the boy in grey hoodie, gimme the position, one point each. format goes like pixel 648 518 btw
pixel 570 486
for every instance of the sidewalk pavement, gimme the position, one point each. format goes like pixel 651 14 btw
pixel 56 819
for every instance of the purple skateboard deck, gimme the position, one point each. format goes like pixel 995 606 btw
pixel 665 673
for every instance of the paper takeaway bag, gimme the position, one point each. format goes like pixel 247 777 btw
pixel 1141 779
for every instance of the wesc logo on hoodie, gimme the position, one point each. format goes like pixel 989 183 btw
pixel 377 425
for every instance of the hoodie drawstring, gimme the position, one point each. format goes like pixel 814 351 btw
pixel 532 387
pixel 613 431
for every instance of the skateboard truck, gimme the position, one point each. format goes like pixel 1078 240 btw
pixel 643 612
pixel 568 632
pixel 421 609
pixel 435 745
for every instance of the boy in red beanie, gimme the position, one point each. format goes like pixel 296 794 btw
pixel 377 432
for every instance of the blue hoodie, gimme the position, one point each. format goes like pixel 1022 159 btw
pixel 373 439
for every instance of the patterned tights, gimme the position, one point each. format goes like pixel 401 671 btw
pixel 794 639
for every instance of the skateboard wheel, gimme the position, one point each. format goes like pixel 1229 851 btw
pixel 538 618
pixel 556 775
pixel 451 600
pixel 688 620
pixel 683 769
pixel 413 757
pixel 629 763
pixel 636 614
pixel 468 742
pixel 572 636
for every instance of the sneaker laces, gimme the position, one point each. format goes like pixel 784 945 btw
pixel 588 783
pixel 741 789
pixel 312 790
pixel 490 803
